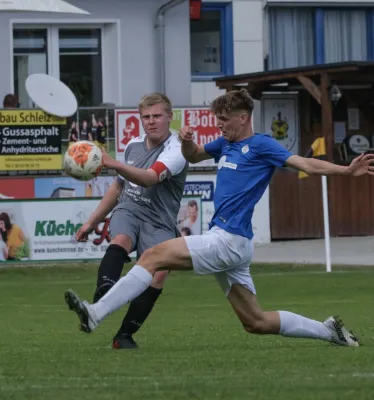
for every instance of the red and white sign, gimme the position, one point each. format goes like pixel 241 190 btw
pixel 204 125
pixel 128 126
pixel 202 120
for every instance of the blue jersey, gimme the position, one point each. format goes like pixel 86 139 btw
pixel 244 171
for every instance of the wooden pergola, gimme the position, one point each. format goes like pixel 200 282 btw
pixel 316 79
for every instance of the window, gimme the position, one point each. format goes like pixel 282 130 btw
pixel 301 36
pixel 80 64
pixel 72 55
pixel 29 57
pixel 345 35
pixel 291 37
pixel 212 41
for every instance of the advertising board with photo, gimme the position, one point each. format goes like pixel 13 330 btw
pixel 189 218
pixel 44 230
pixel 128 126
pixel 34 143
pixel 29 140
pixel 202 185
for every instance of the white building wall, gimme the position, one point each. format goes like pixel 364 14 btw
pixel 135 72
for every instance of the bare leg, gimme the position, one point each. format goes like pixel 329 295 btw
pixel 256 321
pixel 174 255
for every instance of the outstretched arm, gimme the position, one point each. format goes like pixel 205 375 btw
pixel 361 165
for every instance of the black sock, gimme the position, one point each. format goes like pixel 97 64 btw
pixel 138 311
pixel 110 269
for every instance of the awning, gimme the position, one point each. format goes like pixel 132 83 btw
pixel 57 6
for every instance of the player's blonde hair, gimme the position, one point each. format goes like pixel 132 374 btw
pixel 155 98
pixel 232 102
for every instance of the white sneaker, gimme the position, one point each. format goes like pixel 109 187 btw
pixel 83 309
pixel 339 334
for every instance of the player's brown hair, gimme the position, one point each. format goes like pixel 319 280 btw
pixel 232 102
pixel 153 99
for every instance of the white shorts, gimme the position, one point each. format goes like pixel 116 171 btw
pixel 223 254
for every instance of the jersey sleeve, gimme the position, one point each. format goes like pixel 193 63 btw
pixel 271 151
pixel 215 148
pixel 170 162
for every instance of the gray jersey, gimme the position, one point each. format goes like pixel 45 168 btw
pixel 158 204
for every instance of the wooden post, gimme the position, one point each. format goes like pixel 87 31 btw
pixel 327 120
pixel 311 87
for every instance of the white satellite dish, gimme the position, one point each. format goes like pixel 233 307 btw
pixel 51 95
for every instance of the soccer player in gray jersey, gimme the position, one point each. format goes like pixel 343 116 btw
pixel 145 201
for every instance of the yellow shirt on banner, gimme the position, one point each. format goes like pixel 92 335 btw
pixel 15 240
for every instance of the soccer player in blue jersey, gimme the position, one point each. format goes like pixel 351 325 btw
pixel 246 163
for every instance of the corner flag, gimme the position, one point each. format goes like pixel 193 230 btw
pixel 316 150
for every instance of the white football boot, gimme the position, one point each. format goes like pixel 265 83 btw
pixel 86 316
pixel 339 334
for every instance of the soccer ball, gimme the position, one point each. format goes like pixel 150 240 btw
pixel 83 160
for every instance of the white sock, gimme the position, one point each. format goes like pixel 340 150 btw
pixel 294 325
pixel 126 289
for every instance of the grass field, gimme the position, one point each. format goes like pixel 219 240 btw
pixel 192 346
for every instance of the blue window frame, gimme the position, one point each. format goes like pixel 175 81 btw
pixel 370 33
pixel 339 34
pixel 319 37
pixel 343 34
pixel 212 42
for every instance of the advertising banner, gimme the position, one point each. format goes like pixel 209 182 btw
pixel 202 185
pixel 128 126
pixel 204 125
pixel 189 217
pixel 43 230
pixel 69 187
pixel 30 140
pixel 22 188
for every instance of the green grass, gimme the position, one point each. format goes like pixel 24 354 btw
pixel 192 346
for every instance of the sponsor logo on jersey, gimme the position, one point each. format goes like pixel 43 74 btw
pixel 225 164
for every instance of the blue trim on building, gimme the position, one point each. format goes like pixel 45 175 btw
pixel 227 41
pixel 319 36
pixel 370 34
